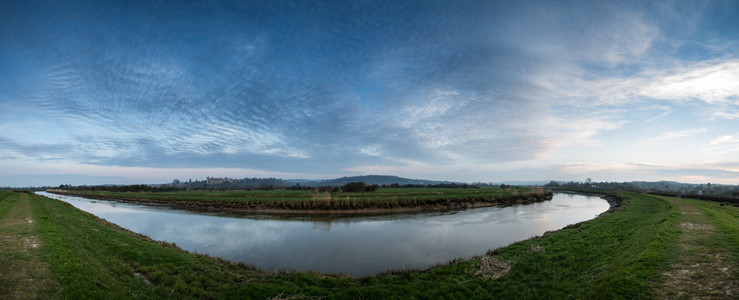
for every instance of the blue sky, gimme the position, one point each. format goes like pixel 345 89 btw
pixel 95 92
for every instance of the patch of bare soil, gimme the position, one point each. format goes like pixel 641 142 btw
pixel 490 267
pixel 23 274
pixel 700 271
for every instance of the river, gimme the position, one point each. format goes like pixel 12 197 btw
pixel 354 245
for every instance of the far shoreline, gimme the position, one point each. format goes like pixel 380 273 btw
pixel 427 205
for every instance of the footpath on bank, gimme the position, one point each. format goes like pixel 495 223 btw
pixel 705 265
pixel 24 274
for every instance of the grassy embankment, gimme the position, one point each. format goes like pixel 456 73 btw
pixel 617 255
pixel 24 273
pixel 706 260
pixel 410 199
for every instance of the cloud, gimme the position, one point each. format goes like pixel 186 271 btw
pixel 453 92
pixel 671 135
pixel 595 167
pixel 705 175
pixel 314 88
pixel 725 139
pixel 726 113
pixel 666 110
pixel 711 83
pixel 723 172
pixel 602 34
pixel 581 127
pixel 40 151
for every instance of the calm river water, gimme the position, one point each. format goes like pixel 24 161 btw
pixel 355 245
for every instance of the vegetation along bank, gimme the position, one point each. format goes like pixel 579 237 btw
pixel 301 201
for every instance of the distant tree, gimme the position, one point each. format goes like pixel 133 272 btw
pixel 354 187
pixel 371 188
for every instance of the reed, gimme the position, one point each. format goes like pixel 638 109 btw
pixel 423 199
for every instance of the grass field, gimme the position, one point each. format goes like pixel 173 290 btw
pixel 623 255
pixel 425 198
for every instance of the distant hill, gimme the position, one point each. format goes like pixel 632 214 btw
pixel 370 179
pixel 522 183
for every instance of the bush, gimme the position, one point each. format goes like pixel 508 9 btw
pixel 354 187
pixel 358 187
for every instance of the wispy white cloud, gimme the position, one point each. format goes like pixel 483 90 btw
pixel 722 172
pixel 671 135
pixel 711 83
pixel 580 168
pixel 726 112
pixel 600 34
pixel 578 127
pixel 666 110
pixel 725 139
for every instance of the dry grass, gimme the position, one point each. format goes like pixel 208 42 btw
pixel 536 249
pixel 490 267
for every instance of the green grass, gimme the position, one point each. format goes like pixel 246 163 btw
pixel 706 260
pixel 312 200
pixel 726 219
pixel 24 274
pixel 94 259
pixel 613 256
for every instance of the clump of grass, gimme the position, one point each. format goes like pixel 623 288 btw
pixel 490 267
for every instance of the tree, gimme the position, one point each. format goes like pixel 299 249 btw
pixel 552 184
pixel 354 187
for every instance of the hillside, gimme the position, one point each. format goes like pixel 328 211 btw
pixel 371 179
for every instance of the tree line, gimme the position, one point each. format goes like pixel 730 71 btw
pixel 264 185
pixel 702 191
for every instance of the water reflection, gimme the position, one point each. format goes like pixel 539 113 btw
pixel 356 245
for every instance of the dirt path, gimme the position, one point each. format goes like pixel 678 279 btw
pixel 23 274
pixel 703 269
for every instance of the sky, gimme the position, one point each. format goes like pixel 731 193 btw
pixel 126 92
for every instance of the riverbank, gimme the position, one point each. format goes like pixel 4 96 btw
pixel 310 202
pixel 358 245
pixel 617 255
